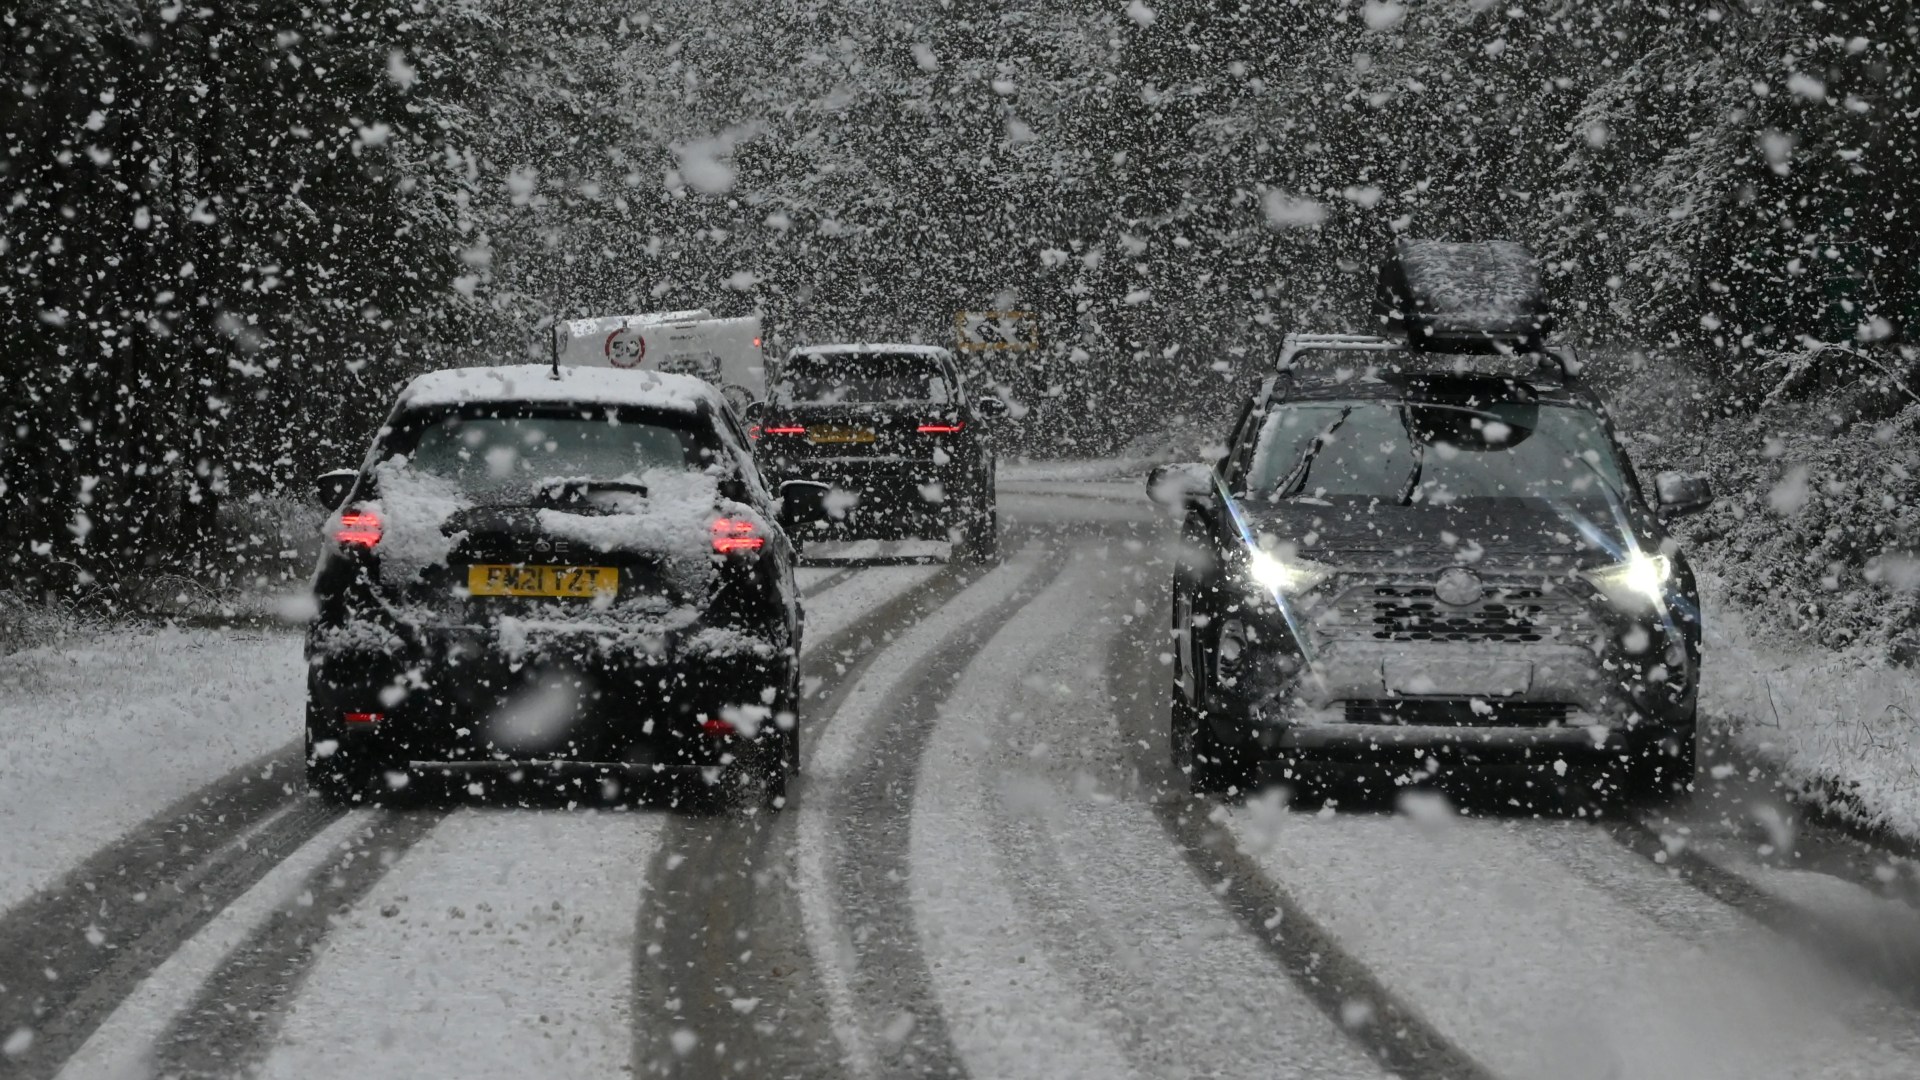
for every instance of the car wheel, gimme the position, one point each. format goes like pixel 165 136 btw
pixel 335 778
pixel 776 769
pixel 1219 767
pixel 1184 720
pixel 980 543
pixel 1662 769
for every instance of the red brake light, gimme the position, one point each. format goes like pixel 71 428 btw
pixel 713 725
pixel 359 528
pixel 941 429
pixel 784 429
pixel 363 717
pixel 732 534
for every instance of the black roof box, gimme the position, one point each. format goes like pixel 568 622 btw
pixel 1485 296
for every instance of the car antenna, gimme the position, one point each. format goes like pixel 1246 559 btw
pixel 553 343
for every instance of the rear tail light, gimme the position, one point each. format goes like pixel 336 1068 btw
pixel 713 725
pixel 941 429
pixel 358 528
pixel 363 717
pixel 784 429
pixel 736 534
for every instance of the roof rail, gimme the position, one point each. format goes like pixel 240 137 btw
pixel 1562 356
pixel 1294 344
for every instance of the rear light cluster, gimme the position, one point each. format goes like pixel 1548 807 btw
pixel 736 534
pixel 358 528
pixel 941 429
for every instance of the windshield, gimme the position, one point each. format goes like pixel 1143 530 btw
pixel 862 379
pixel 482 453
pixel 1434 452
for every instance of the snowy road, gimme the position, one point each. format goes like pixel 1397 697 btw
pixel 988 870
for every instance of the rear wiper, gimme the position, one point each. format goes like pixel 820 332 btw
pixel 576 491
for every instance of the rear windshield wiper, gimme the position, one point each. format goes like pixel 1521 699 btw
pixel 576 491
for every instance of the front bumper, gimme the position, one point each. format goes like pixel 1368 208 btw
pixel 463 696
pixel 1365 701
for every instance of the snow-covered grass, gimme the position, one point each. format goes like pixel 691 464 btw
pixel 1842 724
pixel 100 733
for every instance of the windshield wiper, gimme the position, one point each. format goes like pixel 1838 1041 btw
pixel 563 492
pixel 1296 479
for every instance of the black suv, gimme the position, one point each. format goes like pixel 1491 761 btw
pixel 894 432
pixel 549 571
pixel 1407 564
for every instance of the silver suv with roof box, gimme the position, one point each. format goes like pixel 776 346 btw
pixel 1425 556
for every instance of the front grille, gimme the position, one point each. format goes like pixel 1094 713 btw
pixel 1413 613
pixel 1458 712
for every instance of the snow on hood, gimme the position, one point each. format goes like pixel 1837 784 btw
pixel 535 384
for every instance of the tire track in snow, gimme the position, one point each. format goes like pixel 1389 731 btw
pixel 1887 955
pixel 854 835
pixel 824 582
pixel 71 954
pixel 1034 779
pixel 230 1026
pixel 1387 1028
pixel 722 958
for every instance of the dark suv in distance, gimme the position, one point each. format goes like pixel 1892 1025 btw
pixel 573 573
pixel 895 433
pixel 1409 565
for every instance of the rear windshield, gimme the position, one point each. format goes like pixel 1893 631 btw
pixel 516 448
pixel 862 379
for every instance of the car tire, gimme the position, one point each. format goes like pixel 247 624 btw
pixel 335 779
pixel 1662 769
pixel 980 543
pixel 1183 721
pixel 1219 767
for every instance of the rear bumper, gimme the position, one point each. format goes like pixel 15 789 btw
pixel 457 697
pixel 893 499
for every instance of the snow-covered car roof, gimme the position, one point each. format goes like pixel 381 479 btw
pixel 536 384
pixel 869 348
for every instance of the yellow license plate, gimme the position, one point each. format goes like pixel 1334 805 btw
pixel 580 581
pixel 839 435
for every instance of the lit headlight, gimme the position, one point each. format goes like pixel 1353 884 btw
pixel 1286 576
pixel 1642 579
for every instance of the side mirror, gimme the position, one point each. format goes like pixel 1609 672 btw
pixel 1681 493
pixel 803 502
pixel 1177 484
pixel 990 406
pixel 332 488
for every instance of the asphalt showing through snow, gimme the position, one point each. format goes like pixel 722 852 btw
pixel 988 868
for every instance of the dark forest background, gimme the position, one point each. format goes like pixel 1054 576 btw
pixel 232 228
